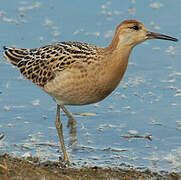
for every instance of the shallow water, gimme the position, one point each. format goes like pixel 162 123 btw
pixel 147 101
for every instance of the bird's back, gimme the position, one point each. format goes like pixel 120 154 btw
pixel 39 65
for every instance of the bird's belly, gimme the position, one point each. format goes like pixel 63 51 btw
pixel 75 88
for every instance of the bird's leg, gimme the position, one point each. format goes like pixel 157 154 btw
pixel 71 125
pixel 69 115
pixel 58 124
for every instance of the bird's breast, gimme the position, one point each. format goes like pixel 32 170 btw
pixel 80 85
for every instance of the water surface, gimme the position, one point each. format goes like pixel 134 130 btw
pixel 147 101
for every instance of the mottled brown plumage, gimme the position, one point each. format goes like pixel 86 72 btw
pixel 41 64
pixel 76 73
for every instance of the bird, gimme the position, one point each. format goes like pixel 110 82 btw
pixel 78 73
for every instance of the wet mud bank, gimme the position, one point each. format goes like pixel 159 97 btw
pixel 31 168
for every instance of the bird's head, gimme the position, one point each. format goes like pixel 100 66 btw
pixel 132 32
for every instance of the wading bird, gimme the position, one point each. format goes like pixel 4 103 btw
pixel 76 73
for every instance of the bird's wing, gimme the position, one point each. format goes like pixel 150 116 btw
pixel 41 64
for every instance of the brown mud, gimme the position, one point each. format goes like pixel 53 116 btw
pixel 12 168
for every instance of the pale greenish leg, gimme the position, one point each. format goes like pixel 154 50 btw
pixel 71 125
pixel 58 124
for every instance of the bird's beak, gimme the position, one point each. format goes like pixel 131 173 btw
pixel 153 35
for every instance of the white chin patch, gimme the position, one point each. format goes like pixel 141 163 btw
pixel 123 39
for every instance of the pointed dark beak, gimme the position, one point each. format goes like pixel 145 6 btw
pixel 153 35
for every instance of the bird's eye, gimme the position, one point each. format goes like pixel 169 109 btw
pixel 136 28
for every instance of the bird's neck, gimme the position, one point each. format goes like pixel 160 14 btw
pixel 118 55
pixel 114 66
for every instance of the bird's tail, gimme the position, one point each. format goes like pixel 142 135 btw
pixel 14 55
